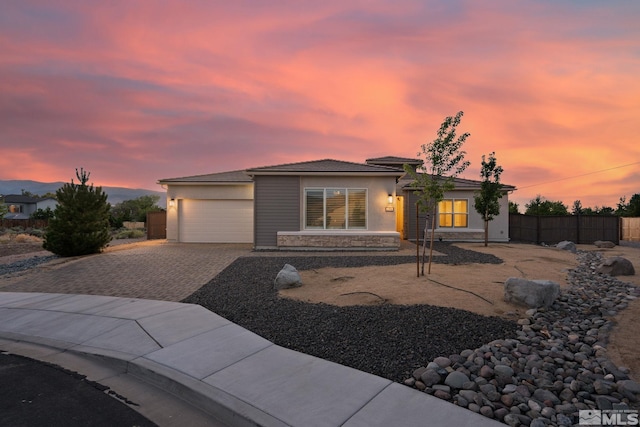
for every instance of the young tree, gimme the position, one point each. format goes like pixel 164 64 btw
pixel 80 225
pixel 443 162
pixel 487 200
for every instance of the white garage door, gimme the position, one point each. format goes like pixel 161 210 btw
pixel 215 221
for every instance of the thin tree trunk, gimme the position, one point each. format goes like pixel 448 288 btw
pixel 424 244
pixel 417 241
pixel 433 231
pixel 486 233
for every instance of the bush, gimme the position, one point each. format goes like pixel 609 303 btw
pixel 37 232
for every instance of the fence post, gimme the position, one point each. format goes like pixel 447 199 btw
pixel 578 226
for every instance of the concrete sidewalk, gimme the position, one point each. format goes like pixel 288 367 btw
pixel 225 370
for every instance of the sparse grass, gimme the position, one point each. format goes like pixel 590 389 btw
pixel 20 235
pixel 129 234
pixel 27 238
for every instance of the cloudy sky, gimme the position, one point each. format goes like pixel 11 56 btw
pixel 136 91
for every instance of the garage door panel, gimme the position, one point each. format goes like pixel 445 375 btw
pixel 216 221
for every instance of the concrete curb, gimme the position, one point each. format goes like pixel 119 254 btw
pixel 228 372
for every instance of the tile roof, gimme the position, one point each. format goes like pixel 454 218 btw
pixel 326 166
pixel 221 177
pixel 460 184
pixel 393 160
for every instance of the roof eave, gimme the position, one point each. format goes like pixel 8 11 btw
pixel 327 173
pixel 175 182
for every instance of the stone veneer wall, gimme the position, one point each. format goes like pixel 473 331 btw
pixel 387 241
pixel 459 236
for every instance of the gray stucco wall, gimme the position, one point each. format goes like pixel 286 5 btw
pixel 498 228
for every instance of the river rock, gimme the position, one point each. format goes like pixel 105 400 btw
pixel 456 379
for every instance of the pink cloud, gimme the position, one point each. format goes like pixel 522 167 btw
pixel 142 92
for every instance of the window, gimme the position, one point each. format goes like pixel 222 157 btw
pixel 335 208
pixel 453 213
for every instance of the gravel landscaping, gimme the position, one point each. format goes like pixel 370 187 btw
pixel 390 341
pixel 537 371
pixel 25 264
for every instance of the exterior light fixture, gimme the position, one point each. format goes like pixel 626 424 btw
pixel 389 207
pixel 172 203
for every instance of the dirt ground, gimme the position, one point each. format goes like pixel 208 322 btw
pixel 474 287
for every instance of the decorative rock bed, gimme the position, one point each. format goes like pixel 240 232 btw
pixel 555 367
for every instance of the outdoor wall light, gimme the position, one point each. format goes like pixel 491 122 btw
pixel 389 207
pixel 172 203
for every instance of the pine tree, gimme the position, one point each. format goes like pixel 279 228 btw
pixel 80 225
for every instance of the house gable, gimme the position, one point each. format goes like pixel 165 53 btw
pixel 377 182
pixel 21 206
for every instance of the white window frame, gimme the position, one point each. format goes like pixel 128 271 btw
pixel 324 208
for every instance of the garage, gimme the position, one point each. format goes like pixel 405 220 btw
pixel 215 221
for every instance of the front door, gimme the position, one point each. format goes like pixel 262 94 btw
pixel 400 216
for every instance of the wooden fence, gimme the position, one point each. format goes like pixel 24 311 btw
pixel 156 225
pixel 630 229
pixel 24 223
pixel 584 229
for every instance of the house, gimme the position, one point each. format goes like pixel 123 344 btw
pixel 456 217
pixel 323 204
pixel 21 207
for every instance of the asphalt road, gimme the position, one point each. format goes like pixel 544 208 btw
pixel 36 394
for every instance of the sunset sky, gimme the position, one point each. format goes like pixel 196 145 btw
pixel 137 91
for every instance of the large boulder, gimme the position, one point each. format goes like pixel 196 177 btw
pixel 617 266
pixel 604 244
pixel 287 278
pixel 566 245
pixel 531 293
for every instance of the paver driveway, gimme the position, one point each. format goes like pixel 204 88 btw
pixel 153 269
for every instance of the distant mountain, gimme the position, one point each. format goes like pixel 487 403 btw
pixel 115 194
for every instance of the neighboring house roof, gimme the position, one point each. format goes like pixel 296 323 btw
pixel 25 200
pixel 16 216
pixel 326 167
pixel 460 184
pixel 212 178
